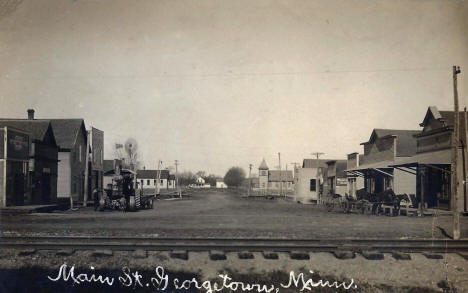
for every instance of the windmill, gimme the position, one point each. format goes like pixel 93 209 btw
pixel 131 147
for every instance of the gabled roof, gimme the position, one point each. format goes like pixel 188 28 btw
pixel 313 163
pixel 446 119
pixel 341 165
pixel 37 129
pixel 66 131
pixel 283 175
pixel 152 174
pixel 263 165
pixel 432 110
pixel 406 142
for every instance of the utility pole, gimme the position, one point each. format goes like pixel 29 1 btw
pixel 280 177
pixel 177 178
pixel 85 195
pixel 455 143
pixel 465 170
pixel 158 177
pixel 295 167
pixel 317 185
pixel 250 179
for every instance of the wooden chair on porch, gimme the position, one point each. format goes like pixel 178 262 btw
pixel 409 205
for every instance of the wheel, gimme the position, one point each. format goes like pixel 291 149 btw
pixel 131 204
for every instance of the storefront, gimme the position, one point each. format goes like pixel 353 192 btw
pixel 14 155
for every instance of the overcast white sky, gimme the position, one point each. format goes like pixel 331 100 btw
pixel 221 83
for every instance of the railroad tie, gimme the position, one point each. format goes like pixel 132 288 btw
pixel 270 255
pixel 299 255
pixel 180 254
pixel 217 255
pixel 245 255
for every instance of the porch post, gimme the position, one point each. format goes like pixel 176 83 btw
pixel 421 190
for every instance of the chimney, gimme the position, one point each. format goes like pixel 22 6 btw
pixel 30 114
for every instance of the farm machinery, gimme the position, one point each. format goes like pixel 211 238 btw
pixel 121 193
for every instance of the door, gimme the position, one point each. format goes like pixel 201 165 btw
pixel 18 189
pixel 45 188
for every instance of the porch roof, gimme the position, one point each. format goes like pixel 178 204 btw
pixel 376 165
pixel 441 157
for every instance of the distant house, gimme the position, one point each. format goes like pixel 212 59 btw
pixel 220 183
pixel 149 179
pixel 310 180
pixel 40 184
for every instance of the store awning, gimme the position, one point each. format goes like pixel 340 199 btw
pixel 442 157
pixel 377 166
pixel 430 159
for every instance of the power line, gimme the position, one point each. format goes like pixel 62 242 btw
pixel 230 74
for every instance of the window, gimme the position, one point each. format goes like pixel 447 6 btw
pixel 141 181
pixel 263 173
pixel 313 186
pixel 154 182
pixel 148 182
pixel 263 185
pixel 161 181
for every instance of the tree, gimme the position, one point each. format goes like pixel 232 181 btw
pixel 211 179
pixel 234 177
pixel 186 178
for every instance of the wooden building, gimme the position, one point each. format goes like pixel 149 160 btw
pixel 96 162
pixel 381 151
pixel 14 158
pixel 149 179
pixel 431 165
pixel 274 181
pixel 72 140
pixel 41 181
pixel 310 180
pixel 355 181
pixel 336 177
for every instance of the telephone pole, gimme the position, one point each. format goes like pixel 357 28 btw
pixel 295 167
pixel 250 179
pixel 158 177
pixel 177 178
pixel 317 185
pixel 465 204
pixel 455 143
pixel 280 177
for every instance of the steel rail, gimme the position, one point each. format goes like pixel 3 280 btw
pixel 232 244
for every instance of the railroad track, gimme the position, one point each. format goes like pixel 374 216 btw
pixel 229 244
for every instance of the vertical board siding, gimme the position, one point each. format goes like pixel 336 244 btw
pixel 64 175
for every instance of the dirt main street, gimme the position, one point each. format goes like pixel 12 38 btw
pixel 226 214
